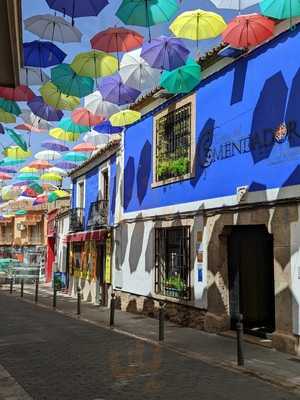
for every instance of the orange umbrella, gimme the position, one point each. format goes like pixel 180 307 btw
pixel 84 147
pixel 40 164
pixel 84 117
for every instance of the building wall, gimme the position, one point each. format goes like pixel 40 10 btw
pixel 61 246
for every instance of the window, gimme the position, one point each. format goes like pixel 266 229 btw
pixel 80 194
pixel 172 262
pixel 174 144
pixel 104 185
pixel 35 233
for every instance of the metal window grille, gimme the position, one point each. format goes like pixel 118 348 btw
pixel 172 262
pixel 173 144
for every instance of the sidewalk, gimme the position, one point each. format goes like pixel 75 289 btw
pixel 264 363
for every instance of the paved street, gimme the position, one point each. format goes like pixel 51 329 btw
pixel 55 357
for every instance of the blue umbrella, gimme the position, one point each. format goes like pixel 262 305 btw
pixel 55 145
pixel 42 54
pixel 115 91
pixel 44 110
pixel 78 8
pixel 107 128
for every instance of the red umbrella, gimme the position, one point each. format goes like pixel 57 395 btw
pixel 117 40
pixel 29 128
pixel 40 164
pixel 84 147
pixel 84 117
pixel 20 93
pixel 4 176
pixel 248 30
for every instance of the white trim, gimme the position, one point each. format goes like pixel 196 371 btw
pixel 103 167
pixel 81 180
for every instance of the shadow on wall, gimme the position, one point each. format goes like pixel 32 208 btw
pixel 136 244
pixel 292 113
pixel 144 171
pixel 129 174
pixel 238 86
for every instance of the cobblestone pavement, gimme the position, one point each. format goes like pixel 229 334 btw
pixel 53 357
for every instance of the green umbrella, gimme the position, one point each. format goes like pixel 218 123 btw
pixel 68 125
pixel 6 262
pixel 147 12
pixel 182 79
pixel 36 187
pixel 17 139
pixel 66 79
pixel 280 9
pixel 52 197
pixel 10 106
pixel 8 162
pixel 74 156
pixel 28 176
pixel 21 212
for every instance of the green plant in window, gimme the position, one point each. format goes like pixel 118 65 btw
pixel 163 168
pixel 175 282
pixel 180 166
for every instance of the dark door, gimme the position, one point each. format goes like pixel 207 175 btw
pixel 251 278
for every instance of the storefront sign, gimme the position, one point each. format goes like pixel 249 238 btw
pixel 108 259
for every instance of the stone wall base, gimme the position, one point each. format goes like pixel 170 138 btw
pixel 286 343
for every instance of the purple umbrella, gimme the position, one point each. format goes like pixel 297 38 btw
pixel 44 110
pixel 2 130
pixel 55 145
pixel 115 91
pixel 8 170
pixel 66 165
pixel 165 53
pixel 78 8
pixel 107 128
pixel 42 54
pixel 22 183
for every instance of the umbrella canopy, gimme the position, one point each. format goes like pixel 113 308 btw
pixel 248 30
pixel 58 194
pixel 53 28
pixel 21 212
pixel 33 76
pixel 4 176
pixel 68 125
pixel 95 139
pixel 115 91
pixel 182 79
pixel 33 190
pixel 66 165
pixel 146 12
pixel 68 82
pixel 84 148
pixel 17 153
pixel 280 9
pixel 51 177
pixel 47 155
pixel 28 170
pixel 42 54
pixel 34 122
pixel 234 4
pixel 8 162
pixel 82 116
pixel 75 157
pixel 137 73
pixel 19 93
pixel 7 117
pixel 95 104
pixel 9 192
pixel 8 170
pixel 43 110
pixel 55 98
pixel 165 53
pixel 125 117
pixel 40 164
pixel 41 199
pixel 29 128
pixel 27 176
pixel 78 8
pixel 60 134
pixel 58 171
pixel 106 127
pixel 17 139
pixel 94 64
pixel 55 145
pixel 197 25
pixel 10 106
pixel 2 129
pixel 6 262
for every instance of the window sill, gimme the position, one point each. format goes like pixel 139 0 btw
pixel 172 180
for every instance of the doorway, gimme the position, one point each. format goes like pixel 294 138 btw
pixel 251 278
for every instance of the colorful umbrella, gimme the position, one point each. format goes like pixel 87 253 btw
pixel 47 155
pixel 82 116
pixel 43 110
pixel 234 4
pixel 10 106
pixel 280 9
pixel 94 64
pixel 29 128
pixel 58 171
pixel 96 139
pixel 39 164
pixel 21 212
pixel 9 193
pixel 182 79
pixel 165 53
pixel 66 165
pixel 78 8
pixel 33 122
pixel 28 169
pixel 68 82
pixel 52 27
pixel 42 54
pixel 248 30
pixel 137 73
pixel 4 176
pixel 75 157
pixel 55 98
pixel 33 76
pixel 68 125
pixel 125 118
pixel 58 194
pixel 106 127
pixel 41 199
pixel 8 170
pixel 197 25
pixel 95 104
pixel 146 12
pixel 19 93
pixel 17 139
pixel 55 145
pixel 115 91
pixel 17 153
pixel 33 190
pixel 8 162
pixel 27 176
pixel 7 117
pixel 84 148
pixel 51 177
pixel 60 134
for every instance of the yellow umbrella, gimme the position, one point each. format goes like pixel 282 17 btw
pixel 55 98
pixel 94 64
pixel 66 136
pixel 16 153
pixel 7 117
pixel 61 193
pixel 28 170
pixel 124 118
pixel 49 176
pixel 197 25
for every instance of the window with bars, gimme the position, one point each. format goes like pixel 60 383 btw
pixel 173 144
pixel 172 262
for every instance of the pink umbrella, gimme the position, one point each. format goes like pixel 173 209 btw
pixel 29 128
pixel 84 117
pixel 84 147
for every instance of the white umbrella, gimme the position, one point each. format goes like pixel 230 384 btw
pixel 47 155
pixel 234 4
pixel 52 27
pixel 137 73
pixel 58 171
pixel 31 119
pixel 97 139
pixel 95 104
pixel 33 76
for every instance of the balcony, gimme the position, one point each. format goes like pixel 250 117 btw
pixel 98 215
pixel 76 220
pixel 6 240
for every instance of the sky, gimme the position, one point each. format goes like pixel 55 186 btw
pixel 89 26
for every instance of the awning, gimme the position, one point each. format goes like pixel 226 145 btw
pixel 99 235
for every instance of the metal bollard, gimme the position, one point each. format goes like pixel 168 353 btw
pixel 112 309
pixel 36 295
pixel 161 317
pixel 54 295
pixel 240 344
pixel 78 301
pixel 22 287
pixel 11 284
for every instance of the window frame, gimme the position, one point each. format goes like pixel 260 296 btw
pixel 171 108
pixel 103 168
pixel 79 181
